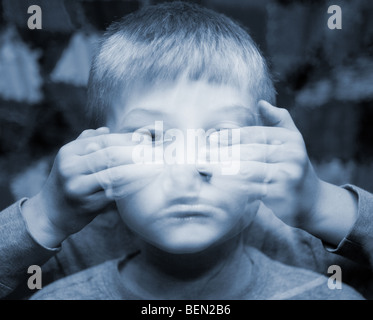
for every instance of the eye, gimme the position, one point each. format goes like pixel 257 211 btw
pixel 223 132
pixel 226 125
pixel 220 130
pixel 223 129
pixel 152 134
pixel 155 136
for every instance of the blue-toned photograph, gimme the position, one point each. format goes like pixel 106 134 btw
pixel 201 151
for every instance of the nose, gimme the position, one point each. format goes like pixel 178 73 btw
pixel 184 179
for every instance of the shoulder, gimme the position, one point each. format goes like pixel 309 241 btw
pixel 84 285
pixel 284 282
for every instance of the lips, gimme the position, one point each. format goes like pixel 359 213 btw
pixel 190 211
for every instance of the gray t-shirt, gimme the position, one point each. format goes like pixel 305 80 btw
pixel 265 279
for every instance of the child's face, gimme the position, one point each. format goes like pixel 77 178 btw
pixel 181 210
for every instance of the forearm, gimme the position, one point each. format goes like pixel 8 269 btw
pixel 18 250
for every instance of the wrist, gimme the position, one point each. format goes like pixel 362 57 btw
pixel 41 229
pixel 333 213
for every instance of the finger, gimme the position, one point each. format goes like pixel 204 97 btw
pixel 277 174
pixel 95 201
pixel 103 159
pixel 275 117
pixel 247 171
pixel 88 144
pixel 284 153
pixel 255 171
pixel 93 132
pixel 259 135
pixel 84 185
pixel 256 191
pixel 253 190
pixel 122 175
pixel 249 152
pixel 100 159
pixel 128 189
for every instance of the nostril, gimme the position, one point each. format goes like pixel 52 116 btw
pixel 205 175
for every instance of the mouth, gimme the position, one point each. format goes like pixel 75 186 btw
pixel 190 212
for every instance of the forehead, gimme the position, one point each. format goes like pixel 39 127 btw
pixel 188 101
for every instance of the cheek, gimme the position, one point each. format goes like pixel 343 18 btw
pixel 140 205
pixel 230 191
pixel 233 194
pixel 137 210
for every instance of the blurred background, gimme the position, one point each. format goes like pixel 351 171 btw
pixel 323 77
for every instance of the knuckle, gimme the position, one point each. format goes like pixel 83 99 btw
pixel 111 157
pixel 63 169
pixel 87 133
pixel 298 137
pixel 100 177
pixel 284 173
pixel 245 171
pixel 102 141
pixel 65 162
pixel 63 152
pixel 295 172
pixel 66 168
pixel 298 155
pixel 269 173
pixel 261 136
pixel 107 180
pixel 115 180
pixel 71 187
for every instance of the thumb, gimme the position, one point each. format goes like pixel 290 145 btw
pixel 272 116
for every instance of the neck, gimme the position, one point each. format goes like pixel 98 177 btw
pixel 160 274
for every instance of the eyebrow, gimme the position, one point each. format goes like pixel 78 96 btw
pixel 138 114
pixel 235 108
pixel 144 111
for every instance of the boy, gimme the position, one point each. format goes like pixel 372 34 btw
pixel 190 69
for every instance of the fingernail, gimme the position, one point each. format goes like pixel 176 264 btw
pixel 92 147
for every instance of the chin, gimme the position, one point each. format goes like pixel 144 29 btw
pixel 185 248
pixel 187 243
pixel 182 245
